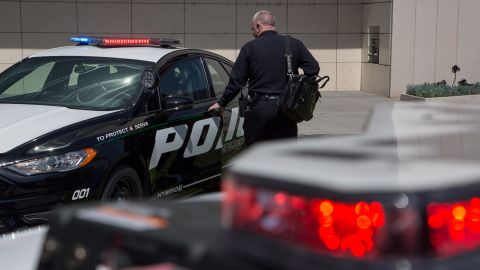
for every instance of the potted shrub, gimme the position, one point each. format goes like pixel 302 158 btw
pixel 441 89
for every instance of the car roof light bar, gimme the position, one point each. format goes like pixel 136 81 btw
pixel 125 42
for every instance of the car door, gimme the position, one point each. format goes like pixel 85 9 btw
pixel 232 133
pixel 186 154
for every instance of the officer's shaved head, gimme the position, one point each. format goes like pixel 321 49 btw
pixel 264 17
pixel 262 21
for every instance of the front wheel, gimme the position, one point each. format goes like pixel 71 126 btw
pixel 123 184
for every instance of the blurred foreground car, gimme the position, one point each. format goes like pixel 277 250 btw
pixel 405 195
pixel 111 119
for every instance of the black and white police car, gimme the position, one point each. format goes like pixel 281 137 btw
pixel 111 118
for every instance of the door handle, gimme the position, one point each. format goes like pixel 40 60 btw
pixel 217 112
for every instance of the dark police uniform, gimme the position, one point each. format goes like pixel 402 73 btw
pixel 263 65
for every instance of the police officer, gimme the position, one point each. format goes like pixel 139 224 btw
pixel 262 63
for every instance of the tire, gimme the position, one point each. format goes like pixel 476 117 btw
pixel 123 184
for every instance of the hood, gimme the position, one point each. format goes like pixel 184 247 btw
pixel 20 123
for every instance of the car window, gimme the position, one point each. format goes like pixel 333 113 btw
pixel 185 78
pixel 228 67
pixel 218 74
pixel 33 82
pixel 86 83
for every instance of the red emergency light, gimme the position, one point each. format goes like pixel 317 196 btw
pixel 124 42
pixel 362 229
pixel 454 227
pixel 317 223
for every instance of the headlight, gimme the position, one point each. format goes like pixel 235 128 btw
pixel 57 163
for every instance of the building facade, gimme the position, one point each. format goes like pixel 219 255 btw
pixel 368 45
pixel 429 37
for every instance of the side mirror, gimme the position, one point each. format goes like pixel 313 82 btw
pixel 177 102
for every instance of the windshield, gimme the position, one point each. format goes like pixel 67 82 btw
pixel 75 82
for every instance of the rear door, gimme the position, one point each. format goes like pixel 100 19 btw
pixel 185 155
pixel 232 132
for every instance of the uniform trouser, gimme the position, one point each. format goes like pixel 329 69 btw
pixel 265 121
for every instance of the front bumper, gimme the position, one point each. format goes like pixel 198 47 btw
pixel 11 223
pixel 24 212
pixel 29 200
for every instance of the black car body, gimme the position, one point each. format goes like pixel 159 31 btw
pixel 78 124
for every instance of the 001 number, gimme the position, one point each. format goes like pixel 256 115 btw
pixel 80 194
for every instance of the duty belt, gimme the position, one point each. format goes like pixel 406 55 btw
pixel 264 96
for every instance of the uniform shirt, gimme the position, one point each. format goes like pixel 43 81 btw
pixel 262 63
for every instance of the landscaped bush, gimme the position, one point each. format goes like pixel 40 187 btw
pixel 442 90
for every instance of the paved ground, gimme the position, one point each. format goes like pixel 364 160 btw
pixel 340 113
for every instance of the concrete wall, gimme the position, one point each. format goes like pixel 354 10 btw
pixel 332 29
pixel 429 37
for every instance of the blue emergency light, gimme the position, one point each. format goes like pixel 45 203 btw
pixel 84 40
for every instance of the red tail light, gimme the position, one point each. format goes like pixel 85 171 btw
pixel 319 224
pixel 454 227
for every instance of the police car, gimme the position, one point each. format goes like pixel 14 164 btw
pixel 404 195
pixel 111 118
